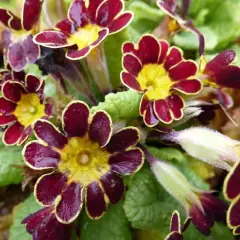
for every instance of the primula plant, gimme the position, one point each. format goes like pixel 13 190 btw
pixel 119 119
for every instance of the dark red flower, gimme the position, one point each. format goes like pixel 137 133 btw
pixel 87 25
pixel 17 39
pixel 43 225
pixel 162 75
pixel 20 106
pixel 87 161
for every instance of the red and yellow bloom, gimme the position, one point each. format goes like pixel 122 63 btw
pixel 86 161
pixel 20 106
pixel 89 22
pixel 162 75
pixel 17 40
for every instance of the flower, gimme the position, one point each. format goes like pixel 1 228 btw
pixel 87 25
pixel 231 192
pixel 177 20
pixel 87 161
pixel 20 106
pixel 161 74
pixel 176 230
pixel 17 40
pixel 44 225
pixel 201 206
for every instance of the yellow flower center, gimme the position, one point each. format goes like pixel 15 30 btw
pixel 83 160
pixel 29 109
pixel 155 80
pixel 85 36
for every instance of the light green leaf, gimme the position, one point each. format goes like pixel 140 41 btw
pixel 17 230
pixel 10 165
pixel 121 105
pixel 112 226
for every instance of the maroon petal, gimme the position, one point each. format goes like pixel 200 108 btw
pixel 12 90
pixel 38 156
pixel 49 186
pixel 6 106
pixel 231 183
pixel 130 81
pixel 113 187
pixel 12 134
pixel 31 50
pixel 31 13
pixel 107 11
pixel 236 231
pixel 175 104
pixel 4 16
pixel 48 109
pixel 183 70
pixel 78 54
pixel 70 205
pixel 174 56
pixel 123 139
pixel 32 83
pixel 52 39
pixel 128 47
pixel 92 9
pixel 162 111
pixel 132 64
pixel 100 129
pixel 16 56
pixel 191 86
pixel 4 120
pixel 25 134
pixel 147 111
pixel 95 202
pixel 77 12
pixel 120 22
pixel 233 215
pixel 75 119
pixel 175 222
pixel 164 50
pixel 174 236
pixel 127 162
pixel 48 133
pixel 66 26
pixel 101 36
pixel 10 20
pixel 221 61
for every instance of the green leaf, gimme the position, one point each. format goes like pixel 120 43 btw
pixel 112 226
pixel 10 167
pixel 17 230
pixel 121 105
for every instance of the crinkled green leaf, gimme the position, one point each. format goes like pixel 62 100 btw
pixel 121 105
pixel 17 230
pixel 10 165
pixel 112 226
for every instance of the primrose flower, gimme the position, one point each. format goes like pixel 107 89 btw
pixel 201 206
pixel 44 225
pixel 17 39
pixel 87 161
pixel 161 74
pixel 89 22
pixel 20 106
pixel 176 230
pixel 231 192
pixel 207 145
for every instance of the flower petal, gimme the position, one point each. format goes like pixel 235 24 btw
pixel 66 26
pixel 92 9
pixel 162 111
pixel 95 202
pixel 183 70
pixel 31 50
pixel 77 13
pixel 6 106
pixel 78 54
pixel 52 39
pixel 132 64
pixel 16 56
pixel 25 134
pixel 174 56
pixel 31 13
pixel 32 83
pixel 233 214
pixel 49 134
pixel 123 139
pixel 149 116
pixel 130 81
pixel 113 187
pixel 101 36
pixel 4 120
pixel 176 104
pixel 175 225
pixel 49 186
pixel 225 99
pixel 100 129
pixel 128 47
pixel 12 90
pixel 70 204
pixel 9 19
pixel 127 162
pixel 4 16
pixel 12 134
pixel 38 156
pixel 191 86
pixel 164 50
pixel 75 119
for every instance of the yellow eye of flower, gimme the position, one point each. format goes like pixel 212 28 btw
pixel 85 36
pixel 155 79
pixel 83 160
pixel 29 109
